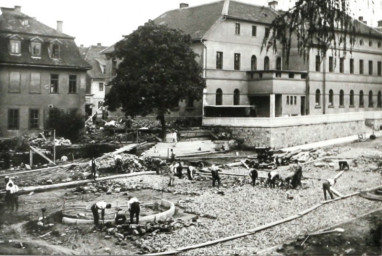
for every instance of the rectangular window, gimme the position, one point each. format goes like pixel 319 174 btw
pixel 14 82
pixel 370 67
pixel 72 84
pixel 113 67
pixel 331 66
pixel 295 100
pixel 379 68
pixel 33 118
pixel 15 46
pixel 13 119
pixel 361 67
pixel 55 51
pixel 237 28
pixel 318 63
pixel 287 100
pixel 351 66
pixel 219 60
pixel 35 84
pixel 100 87
pixel 342 63
pixel 53 83
pixel 36 49
pixel 237 61
pixel 266 34
pixel 254 31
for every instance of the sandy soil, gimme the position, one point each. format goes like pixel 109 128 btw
pixel 235 210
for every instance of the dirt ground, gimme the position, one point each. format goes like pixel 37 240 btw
pixel 223 212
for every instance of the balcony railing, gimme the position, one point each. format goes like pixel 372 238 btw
pixel 276 74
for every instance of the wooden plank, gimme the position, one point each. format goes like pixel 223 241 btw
pixel 41 154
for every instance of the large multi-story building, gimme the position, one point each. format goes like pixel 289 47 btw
pixel 260 99
pixel 40 68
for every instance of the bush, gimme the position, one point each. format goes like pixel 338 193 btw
pixel 67 125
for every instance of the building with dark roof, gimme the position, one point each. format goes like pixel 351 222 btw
pixel 252 91
pixel 40 68
pixel 97 78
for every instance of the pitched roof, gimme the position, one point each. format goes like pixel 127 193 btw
pixel 196 21
pixel 13 22
pixel 95 57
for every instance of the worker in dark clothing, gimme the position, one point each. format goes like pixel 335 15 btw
pixel 179 170
pixel 172 156
pixel 297 176
pixel 215 175
pixel 94 169
pixel 253 173
pixel 343 164
pixel 273 176
pixel 134 209
pixel 326 187
pixel 95 208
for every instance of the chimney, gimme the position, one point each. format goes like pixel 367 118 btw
pixel 59 26
pixel 225 8
pixel 17 8
pixel 99 44
pixel 380 23
pixel 183 5
pixel 272 4
pixel 360 18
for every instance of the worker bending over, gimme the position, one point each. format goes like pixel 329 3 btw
pixel 11 196
pixel 191 170
pixel 273 176
pixel 215 175
pixel 99 206
pixel 326 186
pixel 134 209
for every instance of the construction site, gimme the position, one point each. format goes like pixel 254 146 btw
pixel 239 216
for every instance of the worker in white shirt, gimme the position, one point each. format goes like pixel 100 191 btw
pixel 134 209
pixel 273 176
pixel 326 187
pixel 11 197
pixel 99 206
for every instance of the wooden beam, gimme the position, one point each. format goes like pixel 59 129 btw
pixel 41 154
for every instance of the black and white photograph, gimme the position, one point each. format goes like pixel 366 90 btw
pixel 191 127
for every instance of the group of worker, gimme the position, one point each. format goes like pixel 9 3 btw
pixel 133 207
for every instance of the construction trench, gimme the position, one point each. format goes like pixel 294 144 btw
pixel 192 217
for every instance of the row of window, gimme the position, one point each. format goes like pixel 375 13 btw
pixel 254 30
pixel 219 97
pixel 351 66
pixel 237 62
pixel 35 83
pixel 14 119
pixel 291 100
pixel 35 47
pixel 351 98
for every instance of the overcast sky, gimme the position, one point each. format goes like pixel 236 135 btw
pixel 95 21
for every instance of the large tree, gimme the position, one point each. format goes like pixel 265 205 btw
pixel 318 24
pixel 157 70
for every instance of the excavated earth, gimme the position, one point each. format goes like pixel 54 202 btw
pixel 213 213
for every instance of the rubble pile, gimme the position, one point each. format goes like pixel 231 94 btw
pixel 131 163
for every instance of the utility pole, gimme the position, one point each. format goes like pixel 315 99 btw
pixel 54 146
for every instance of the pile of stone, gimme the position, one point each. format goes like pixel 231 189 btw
pixel 131 163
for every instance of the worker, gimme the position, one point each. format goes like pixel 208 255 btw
pixel 134 209
pixel 326 187
pixel 99 206
pixel 343 164
pixel 297 176
pixel 118 163
pixel 64 158
pixel 11 196
pixel 253 173
pixel 273 176
pixel 179 170
pixel 172 156
pixel 94 169
pixel 191 170
pixel 170 172
pixel 215 175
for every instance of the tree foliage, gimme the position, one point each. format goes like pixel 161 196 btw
pixel 67 125
pixel 321 24
pixel 157 70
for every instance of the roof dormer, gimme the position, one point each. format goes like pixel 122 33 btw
pixel 15 44
pixel 55 48
pixel 35 47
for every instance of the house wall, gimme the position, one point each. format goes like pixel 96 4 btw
pixel 25 100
